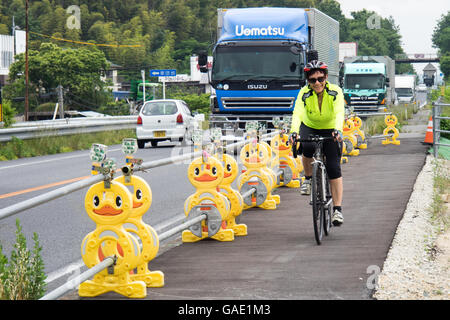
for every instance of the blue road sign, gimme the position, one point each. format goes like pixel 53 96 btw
pixel 163 73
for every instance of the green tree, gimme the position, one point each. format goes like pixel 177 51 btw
pixel 77 70
pixel 441 34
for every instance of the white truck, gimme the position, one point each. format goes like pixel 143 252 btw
pixel 405 88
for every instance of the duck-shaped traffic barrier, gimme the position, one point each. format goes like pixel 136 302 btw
pixel 285 162
pixel 349 138
pixel 390 120
pixel 254 157
pixel 109 207
pixel 361 142
pixel 206 173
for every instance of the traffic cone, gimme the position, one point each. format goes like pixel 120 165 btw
pixel 429 134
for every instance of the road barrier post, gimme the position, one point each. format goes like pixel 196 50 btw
pixel 255 157
pixel 390 120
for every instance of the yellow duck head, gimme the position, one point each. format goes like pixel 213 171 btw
pixel 230 169
pixel 254 155
pixel 205 172
pixel 357 122
pixel 280 144
pixel 142 195
pixel 390 120
pixel 349 126
pixel 108 206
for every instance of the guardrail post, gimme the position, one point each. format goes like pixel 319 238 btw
pixel 435 132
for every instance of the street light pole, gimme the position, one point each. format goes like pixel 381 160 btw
pixel 26 61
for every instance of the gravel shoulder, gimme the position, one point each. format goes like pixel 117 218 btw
pixel 417 266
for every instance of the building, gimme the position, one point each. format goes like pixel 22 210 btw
pixel 10 46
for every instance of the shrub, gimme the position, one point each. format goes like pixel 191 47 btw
pixel 22 277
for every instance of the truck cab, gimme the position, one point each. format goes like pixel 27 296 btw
pixel 365 86
pixel 259 57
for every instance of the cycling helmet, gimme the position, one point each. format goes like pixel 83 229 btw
pixel 315 64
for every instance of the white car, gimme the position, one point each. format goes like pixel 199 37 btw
pixel 422 87
pixel 161 120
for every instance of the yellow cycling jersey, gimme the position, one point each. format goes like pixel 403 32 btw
pixel 306 109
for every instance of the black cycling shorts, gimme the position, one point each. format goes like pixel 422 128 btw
pixel 332 149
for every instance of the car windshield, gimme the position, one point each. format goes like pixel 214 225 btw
pixel 159 108
pixel 404 92
pixel 364 81
pixel 256 62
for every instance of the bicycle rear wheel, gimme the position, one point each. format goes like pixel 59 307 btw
pixel 317 203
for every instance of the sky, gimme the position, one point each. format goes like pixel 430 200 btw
pixel 416 19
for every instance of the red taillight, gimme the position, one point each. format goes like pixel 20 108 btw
pixel 179 119
pixel 139 121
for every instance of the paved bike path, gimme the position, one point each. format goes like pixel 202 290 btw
pixel 279 258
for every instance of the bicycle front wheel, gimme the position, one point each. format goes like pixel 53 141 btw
pixel 317 202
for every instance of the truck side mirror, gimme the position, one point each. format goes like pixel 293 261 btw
pixel 312 55
pixel 293 66
pixel 203 61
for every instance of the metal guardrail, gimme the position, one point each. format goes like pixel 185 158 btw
pixel 107 262
pixel 38 129
pixel 437 112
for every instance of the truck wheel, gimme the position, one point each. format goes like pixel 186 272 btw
pixel 141 144
pixel 154 143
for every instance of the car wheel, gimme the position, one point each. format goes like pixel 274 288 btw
pixel 154 143
pixel 141 144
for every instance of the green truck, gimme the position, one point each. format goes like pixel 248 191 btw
pixel 368 83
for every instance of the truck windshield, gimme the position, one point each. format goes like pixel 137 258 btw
pixel 404 92
pixel 364 81
pixel 256 62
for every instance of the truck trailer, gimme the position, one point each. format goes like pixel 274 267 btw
pixel 258 62
pixel 405 88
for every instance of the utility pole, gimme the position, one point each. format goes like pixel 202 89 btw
pixel 60 102
pixel 26 61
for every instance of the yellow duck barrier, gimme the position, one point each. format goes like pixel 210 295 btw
pixel 109 204
pixel 390 120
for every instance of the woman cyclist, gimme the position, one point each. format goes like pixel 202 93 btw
pixel 319 110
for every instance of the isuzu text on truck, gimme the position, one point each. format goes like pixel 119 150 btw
pixel 258 61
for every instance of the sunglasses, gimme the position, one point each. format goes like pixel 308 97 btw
pixel 313 80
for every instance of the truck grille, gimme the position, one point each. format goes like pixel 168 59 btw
pixel 258 102
pixel 363 100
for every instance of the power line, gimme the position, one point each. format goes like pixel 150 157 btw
pixel 89 43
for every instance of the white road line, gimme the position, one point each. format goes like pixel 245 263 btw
pixel 50 160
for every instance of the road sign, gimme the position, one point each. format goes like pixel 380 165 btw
pixel 163 73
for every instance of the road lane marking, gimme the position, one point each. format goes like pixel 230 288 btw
pixel 16 193
pixel 50 160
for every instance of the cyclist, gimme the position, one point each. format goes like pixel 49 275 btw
pixel 319 110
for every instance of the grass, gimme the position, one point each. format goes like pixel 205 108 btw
pixel 375 125
pixel 441 186
pixel 18 148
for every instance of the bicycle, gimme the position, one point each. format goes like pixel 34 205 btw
pixel 321 199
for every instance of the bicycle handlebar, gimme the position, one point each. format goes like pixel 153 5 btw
pixel 312 138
